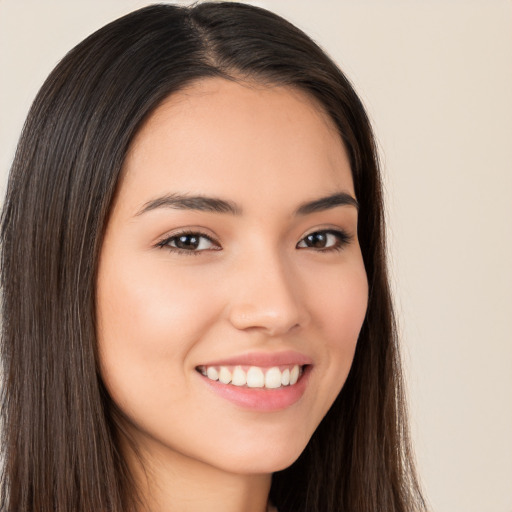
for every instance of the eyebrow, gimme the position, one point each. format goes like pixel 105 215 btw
pixel 326 203
pixel 217 205
pixel 198 203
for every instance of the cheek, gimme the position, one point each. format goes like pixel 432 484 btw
pixel 339 312
pixel 345 310
pixel 340 301
pixel 148 322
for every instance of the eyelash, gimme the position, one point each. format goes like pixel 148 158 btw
pixel 343 239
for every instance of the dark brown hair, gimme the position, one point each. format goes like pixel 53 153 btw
pixel 61 440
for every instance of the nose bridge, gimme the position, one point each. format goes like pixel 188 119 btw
pixel 265 294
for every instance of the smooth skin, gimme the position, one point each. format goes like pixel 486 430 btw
pixel 240 281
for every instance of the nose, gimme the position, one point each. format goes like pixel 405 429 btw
pixel 266 296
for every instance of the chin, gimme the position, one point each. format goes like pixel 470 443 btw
pixel 270 458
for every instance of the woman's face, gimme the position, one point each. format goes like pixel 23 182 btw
pixel 231 288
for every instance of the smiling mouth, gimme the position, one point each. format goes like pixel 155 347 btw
pixel 274 377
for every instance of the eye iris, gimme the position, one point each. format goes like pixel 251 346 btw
pixel 187 242
pixel 317 240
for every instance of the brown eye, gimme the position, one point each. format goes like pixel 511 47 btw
pixel 324 240
pixel 317 240
pixel 189 242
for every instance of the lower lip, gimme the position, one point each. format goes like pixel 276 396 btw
pixel 261 399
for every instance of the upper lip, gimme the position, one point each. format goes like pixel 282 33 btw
pixel 263 359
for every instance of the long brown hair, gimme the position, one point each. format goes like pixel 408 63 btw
pixel 61 440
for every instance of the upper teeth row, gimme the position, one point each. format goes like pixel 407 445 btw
pixel 254 376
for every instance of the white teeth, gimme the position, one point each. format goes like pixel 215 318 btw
pixel 224 375
pixel 285 377
pixel 254 377
pixel 239 377
pixel 294 375
pixel 273 378
pixel 212 373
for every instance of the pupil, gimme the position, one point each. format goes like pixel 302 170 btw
pixel 317 240
pixel 187 242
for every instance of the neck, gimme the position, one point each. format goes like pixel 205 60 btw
pixel 170 481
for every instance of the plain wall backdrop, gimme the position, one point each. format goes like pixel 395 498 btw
pixel 436 78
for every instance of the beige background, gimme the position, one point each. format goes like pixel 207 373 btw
pixel 436 77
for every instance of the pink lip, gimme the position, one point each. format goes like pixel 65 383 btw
pixel 264 359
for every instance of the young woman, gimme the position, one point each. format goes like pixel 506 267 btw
pixel 196 311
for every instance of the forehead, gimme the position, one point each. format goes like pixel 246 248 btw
pixel 229 138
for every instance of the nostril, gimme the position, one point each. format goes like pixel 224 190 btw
pixel 272 318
